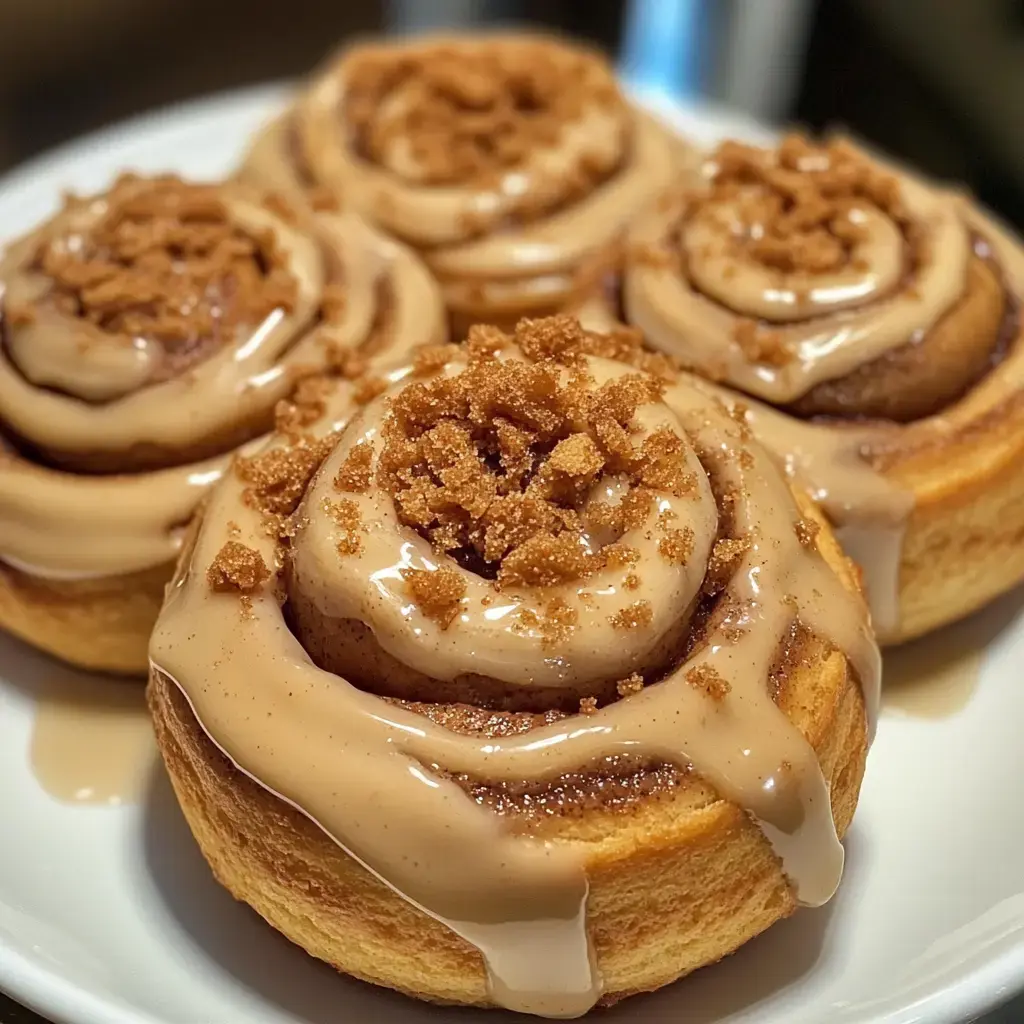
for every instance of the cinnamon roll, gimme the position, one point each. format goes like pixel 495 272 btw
pixel 146 334
pixel 531 683
pixel 507 161
pixel 871 320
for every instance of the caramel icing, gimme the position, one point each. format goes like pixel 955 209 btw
pixel 76 395
pixel 692 289
pixel 92 740
pixel 68 526
pixel 689 278
pixel 376 777
pixel 579 162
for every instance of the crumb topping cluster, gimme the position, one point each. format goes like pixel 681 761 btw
pixel 276 479
pixel 461 113
pixel 237 568
pixel 166 262
pixel 795 209
pixel 708 679
pixel 496 464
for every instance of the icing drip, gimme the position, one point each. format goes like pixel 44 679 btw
pixel 376 777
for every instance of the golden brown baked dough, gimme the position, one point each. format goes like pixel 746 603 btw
pixel 505 160
pixel 557 505
pixel 101 624
pixel 146 334
pixel 873 321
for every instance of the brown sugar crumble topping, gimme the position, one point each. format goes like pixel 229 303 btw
pixel 495 465
pixel 167 263
pixel 346 516
pixel 625 345
pixel 555 622
pixel 637 615
pixel 762 344
pixel 277 479
pixel 437 592
pixel 793 210
pixel 677 545
pixel 307 404
pixel 797 205
pixel 367 389
pixel 807 531
pixel 342 360
pixel 237 569
pixel 464 113
pixel 708 679
pixel 631 685
pixel 428 359
pixel 355 475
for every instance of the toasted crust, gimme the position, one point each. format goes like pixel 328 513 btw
pixel 98 624
pixel 678 879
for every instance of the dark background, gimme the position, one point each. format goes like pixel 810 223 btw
pixel 939 82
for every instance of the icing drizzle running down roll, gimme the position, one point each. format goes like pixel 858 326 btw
pixel 506 160
pixel 149 331
pixel 546 521
pixel 867 313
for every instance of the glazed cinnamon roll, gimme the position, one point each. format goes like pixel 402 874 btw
pixel 147 333
pixel 508 161
pixel 531 683
pixel 872 321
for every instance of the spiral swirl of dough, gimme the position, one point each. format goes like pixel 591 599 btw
pixel 506 161
pixel 817 278
pixel 150 331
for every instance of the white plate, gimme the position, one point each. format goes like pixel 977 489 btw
pixel 109 915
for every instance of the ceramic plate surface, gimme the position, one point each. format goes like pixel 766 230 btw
pixel 108 915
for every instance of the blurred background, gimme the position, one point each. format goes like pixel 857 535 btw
pixel 939 82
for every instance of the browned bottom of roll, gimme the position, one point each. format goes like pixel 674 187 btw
pixel 98 624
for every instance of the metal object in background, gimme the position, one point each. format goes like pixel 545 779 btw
pixel 662 45
pixel 747 54
pixel 761 55
pixel 426 15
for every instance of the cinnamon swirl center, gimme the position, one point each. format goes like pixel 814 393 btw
pixel 818 278
pixel 781 236
pixel 534 495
